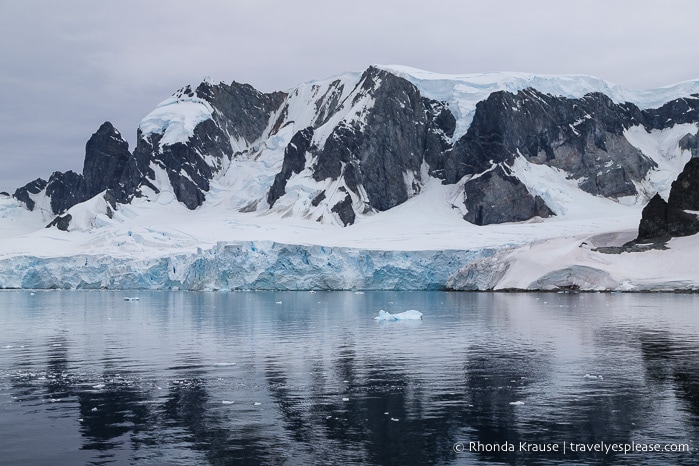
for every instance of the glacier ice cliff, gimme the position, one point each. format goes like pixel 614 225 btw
pixel 244 266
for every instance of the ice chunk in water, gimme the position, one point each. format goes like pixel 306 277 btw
pixel 411 314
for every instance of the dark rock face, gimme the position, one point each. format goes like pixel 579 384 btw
pixel 654 220
pixel 106 156
pixel 344 210
pixel 661 220
pixel 318 199
pixel 378 153
pixel 675 112
pixel 136 174
pixel 684 193
pixel 33 187
pixel 691 143
pixel 243 111
pixel 498 197
pixel 65 190
pixel 584 137
pixel 61 222
pixel 294 162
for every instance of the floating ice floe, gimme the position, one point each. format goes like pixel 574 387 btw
pixel 411 314
pixel 226 402
pixel 131 299
pixel 589 376
pixel 516 403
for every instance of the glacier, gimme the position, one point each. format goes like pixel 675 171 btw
pixel 261 265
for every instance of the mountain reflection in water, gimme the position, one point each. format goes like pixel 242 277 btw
pixel 311 378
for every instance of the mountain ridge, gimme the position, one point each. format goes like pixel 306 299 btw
pixel 363 152
pixel 191 134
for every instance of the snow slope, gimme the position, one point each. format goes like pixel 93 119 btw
pixel 175 118
pixel 421 244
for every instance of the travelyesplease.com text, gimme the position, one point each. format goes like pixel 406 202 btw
pixel 571 447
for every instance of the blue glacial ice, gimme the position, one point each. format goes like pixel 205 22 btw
pixel 244 266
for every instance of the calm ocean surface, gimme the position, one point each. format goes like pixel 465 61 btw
pixel 311 378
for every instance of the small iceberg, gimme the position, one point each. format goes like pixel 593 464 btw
pixel 131 299
pixel 411 314
pixel 517 403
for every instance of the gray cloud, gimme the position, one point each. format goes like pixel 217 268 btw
pixel 65 67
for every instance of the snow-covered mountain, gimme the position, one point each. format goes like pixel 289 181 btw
pixel 390 178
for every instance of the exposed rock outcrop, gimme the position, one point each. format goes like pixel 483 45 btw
pixel 662 220
pixel 379 151
pixel 23 194
pixel 106 156
pixel 498 197
pixel 294 162
pixel 583 137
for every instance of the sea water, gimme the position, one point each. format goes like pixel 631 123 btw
pixel 312 378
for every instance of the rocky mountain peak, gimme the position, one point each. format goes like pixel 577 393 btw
pixel 106 156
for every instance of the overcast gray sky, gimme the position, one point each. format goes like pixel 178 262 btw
pixel 68 66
